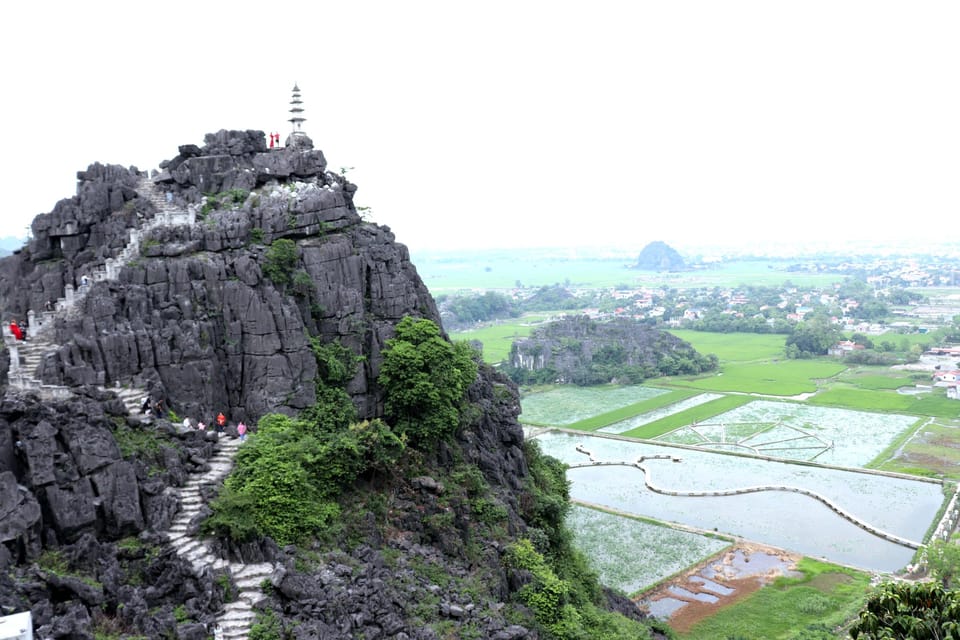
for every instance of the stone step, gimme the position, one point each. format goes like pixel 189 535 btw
pixel 237 607
pixel 199 554
pixel 245 570
pixel 181 521
pixel 238 625
pixel 250 584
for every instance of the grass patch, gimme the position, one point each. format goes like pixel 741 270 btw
pixel 824 599
pixel 782 378
pixel 136 442
pixel 880 382
pixel 563 405
pixel 498 338
pixel 933 451
pixel 735 347
pixel 699 413
pixel 629 411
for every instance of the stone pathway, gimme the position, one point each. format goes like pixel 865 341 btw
pixel 238 616
pixel 235 621
pixel 26 356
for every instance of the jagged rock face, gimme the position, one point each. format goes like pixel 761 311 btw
pixel 67 493
pixel 62 475
pixel 195 317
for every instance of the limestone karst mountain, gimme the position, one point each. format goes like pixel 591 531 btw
pixel 659 256
pixel 206 287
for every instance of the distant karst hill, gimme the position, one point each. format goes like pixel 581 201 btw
pixel 582 351
pixel 659 256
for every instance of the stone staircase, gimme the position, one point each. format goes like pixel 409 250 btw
pixel 238 616
pixel 26 356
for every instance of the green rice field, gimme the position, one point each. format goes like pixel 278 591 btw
pixel 735 347
pixel 564 405
pixel 780 378
pixel 498 338
pixel 610 543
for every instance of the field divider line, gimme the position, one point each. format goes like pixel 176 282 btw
pixel 691 447
pixel 718 493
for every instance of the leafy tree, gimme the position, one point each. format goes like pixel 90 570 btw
pixel 425 378
pixel 943 561
pixel 287 479
pixel 909 611
pixel 468 309
pixel 811 338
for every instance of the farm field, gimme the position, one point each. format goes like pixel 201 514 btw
pixel 735 347
pixel 900 506
pixel 610 543
pixel 444 272
pixel 565 405
pixel 932 450
pixel 699 413
pixel 800 432
pixel 677 406
pixel 821 598
pixel 498 338
pixel 934 403
pixel 776 378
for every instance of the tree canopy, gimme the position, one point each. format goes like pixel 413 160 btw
pixel 425 378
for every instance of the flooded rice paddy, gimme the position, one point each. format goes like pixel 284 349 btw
pixel 827 435
pixel 793 521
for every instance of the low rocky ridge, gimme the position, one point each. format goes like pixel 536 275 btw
pixel 580 350
pixel 101 509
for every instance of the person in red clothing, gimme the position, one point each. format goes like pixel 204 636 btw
pixel 16 330
pixel 221 422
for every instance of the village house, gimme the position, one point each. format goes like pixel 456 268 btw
pixel 844 347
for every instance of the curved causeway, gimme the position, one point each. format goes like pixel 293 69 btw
pixel 840 511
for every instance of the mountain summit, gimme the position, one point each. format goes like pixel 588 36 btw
pixel 385 489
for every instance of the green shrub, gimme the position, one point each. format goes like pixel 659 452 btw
pixel 561 606
pixel 287 479
pixel 266 627
pixel 280 260
pixel 425 378
pixel 235 196
pixel 303 283
pixel 256 234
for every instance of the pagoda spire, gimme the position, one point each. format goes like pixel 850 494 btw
pixel 296 111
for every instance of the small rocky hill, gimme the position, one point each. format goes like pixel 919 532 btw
pixel 579 350
pixel 208 286
pixel 659 256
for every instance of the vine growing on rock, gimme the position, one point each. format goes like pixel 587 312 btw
pixel 280 260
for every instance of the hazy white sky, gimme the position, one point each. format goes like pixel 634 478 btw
pixel 519 123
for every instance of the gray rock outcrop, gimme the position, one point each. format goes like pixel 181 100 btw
pixel 197 318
